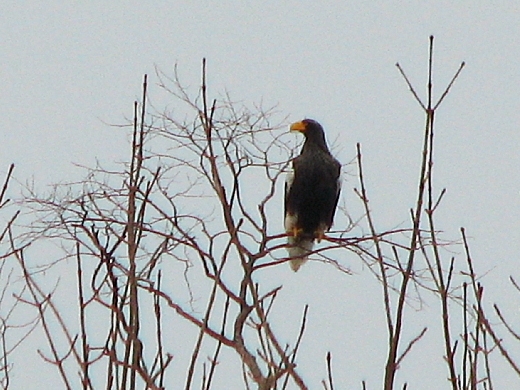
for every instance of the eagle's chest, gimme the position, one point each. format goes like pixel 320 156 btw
pixel 315 173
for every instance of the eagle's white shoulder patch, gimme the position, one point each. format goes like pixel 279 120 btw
pixel 290 220
pixel 289 178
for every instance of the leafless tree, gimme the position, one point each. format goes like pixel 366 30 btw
pixel 182 231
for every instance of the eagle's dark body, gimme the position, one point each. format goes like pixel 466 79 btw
pixel 311 193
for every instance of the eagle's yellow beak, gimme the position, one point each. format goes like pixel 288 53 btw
pixel 298 126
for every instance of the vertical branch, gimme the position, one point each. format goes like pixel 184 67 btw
pixel 133 345
pixel 442 286
pixel 329 370
pixel 159 334
pixel 214 360
pixel 5 365
pixel 379 251
pixel 466 353
pixel 477 292
pixel 115 324
pixel 391 367
pixel 84 364
pixel 3 326
pixel 206 119
pixel 486 360
pixel 297 345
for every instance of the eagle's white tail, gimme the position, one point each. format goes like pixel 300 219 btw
pixel 299 249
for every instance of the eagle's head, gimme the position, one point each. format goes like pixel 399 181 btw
pixel 312 131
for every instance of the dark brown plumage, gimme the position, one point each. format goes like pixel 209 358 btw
pixel 311 192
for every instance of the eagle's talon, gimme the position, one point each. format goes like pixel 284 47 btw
pixel 320 234
pixel 296 231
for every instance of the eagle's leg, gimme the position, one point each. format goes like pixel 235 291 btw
pixel 319 234
pixel 296 231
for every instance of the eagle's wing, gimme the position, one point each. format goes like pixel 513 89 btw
pixel 339 181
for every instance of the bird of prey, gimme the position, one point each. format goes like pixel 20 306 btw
pixel 311 193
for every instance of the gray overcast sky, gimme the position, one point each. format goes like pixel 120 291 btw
pixel 68 68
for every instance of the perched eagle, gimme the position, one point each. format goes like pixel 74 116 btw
pixel 311 193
